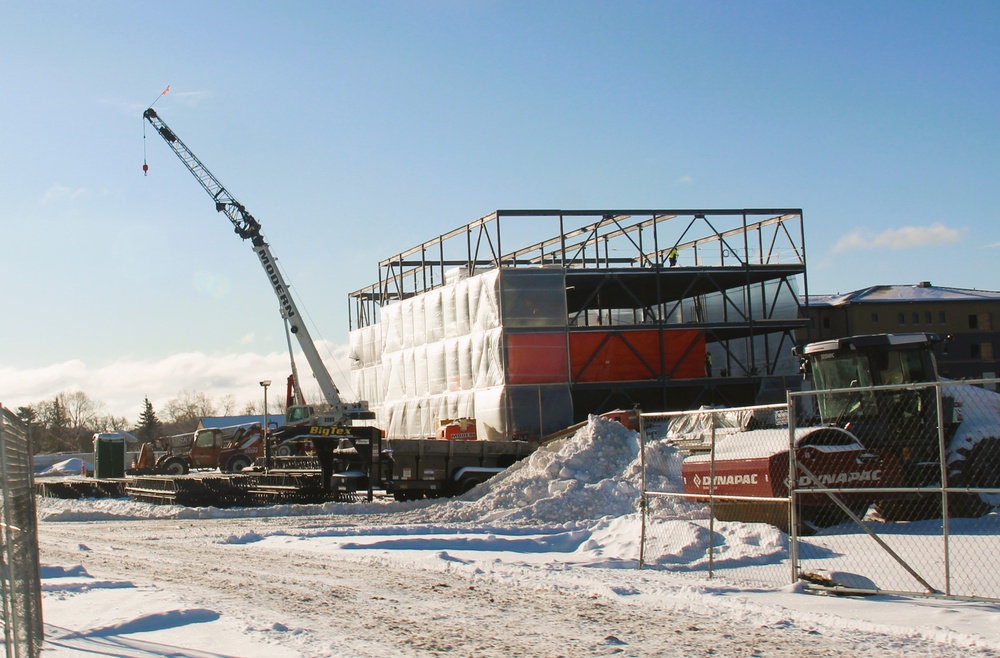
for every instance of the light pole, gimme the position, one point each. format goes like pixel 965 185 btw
pixel 265 434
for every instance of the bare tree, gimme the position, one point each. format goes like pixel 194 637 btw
pixel 111 423
pixel 228 404
pixel 184 411
pixel 82 413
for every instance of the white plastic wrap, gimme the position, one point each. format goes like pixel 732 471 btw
pixel 440 355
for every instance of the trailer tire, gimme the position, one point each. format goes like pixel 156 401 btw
pixel 175 466
pixel 468 483
pixel 283 450
pixel 237 463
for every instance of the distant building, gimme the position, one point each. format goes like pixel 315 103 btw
pixel 966 315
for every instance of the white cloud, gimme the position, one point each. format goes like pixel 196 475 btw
pixel 685 180
pixel 906 237
pixel 122 385
pixel 57 192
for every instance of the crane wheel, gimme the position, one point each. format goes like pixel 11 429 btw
pixel 238 463
pixel 175 466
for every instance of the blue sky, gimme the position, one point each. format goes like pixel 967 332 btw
pixel 353 130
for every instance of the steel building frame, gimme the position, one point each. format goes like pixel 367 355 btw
pixel 740 262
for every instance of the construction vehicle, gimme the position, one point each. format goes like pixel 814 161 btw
pixel 248 228
pixel 350 457
pixel 875 426
pixel 229 449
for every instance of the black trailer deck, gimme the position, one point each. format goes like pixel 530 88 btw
pixel 204 490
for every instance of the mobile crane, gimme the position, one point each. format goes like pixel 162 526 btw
pixel 406 468
pixel 248 228
pixel 325 430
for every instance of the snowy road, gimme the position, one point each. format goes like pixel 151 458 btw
pixel 539 561
pixel 284 600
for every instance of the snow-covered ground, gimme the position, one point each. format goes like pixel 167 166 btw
pixel 539 561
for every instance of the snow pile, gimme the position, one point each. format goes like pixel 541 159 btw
pixel 67 467
pixel 980 411
pixel 590 475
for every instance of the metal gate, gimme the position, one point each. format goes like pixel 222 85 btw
pixel 20 581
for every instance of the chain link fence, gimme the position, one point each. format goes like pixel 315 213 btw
pixel 888 489
pixel 20 582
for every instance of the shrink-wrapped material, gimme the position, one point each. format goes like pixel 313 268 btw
pixel 449 357
pixel 394 376
pixel 420 371
pixel 441 355
pixel 392 327
pixel 433 316
pixel 449 317
pixel 367 383
pixel 418 306
pixel 466 376
pixel 437 376
pixel 463 314
pixel 491 422
pixel 409 381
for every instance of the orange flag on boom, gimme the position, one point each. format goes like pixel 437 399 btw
pixel 165 91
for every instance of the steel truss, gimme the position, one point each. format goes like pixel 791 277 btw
pixel 739 278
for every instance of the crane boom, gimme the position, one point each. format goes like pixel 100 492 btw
pixel 248 228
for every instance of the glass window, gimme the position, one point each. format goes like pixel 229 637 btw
pixel 205 439
pixel 973 322
pixel 841 372
pixel 874 318
pixel 826 323
pixel 941 317
pixel 916 317
pixel 928 317
pixel 902 318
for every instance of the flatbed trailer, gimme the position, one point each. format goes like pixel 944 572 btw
pixel 415 468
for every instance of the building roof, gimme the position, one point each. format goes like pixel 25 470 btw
pixel 920 292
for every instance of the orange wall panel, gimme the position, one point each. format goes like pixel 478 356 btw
pixel 608 356
pixel 536 358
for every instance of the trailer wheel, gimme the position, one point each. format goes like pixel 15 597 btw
pixel 468 483
pixel 175 466
pixel 237 463
pixel 283 450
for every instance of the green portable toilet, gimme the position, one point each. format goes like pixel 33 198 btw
pixel 109 455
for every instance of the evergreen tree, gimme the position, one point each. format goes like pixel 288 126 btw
pixel 149 427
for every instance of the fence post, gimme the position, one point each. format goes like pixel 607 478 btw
pixel 642 490
pixel 711 501
pixel 943 456
pixel 793 520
